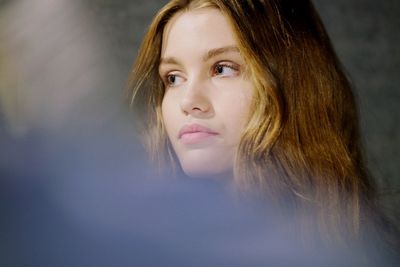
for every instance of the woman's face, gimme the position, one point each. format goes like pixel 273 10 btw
pixel 207 94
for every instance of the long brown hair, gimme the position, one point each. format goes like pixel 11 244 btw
pixel 301 145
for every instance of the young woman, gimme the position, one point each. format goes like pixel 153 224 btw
pixel 251 91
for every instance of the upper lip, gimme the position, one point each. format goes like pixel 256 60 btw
pixel 194 128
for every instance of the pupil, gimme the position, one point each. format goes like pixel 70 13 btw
pixel 220 69
pixel 172 78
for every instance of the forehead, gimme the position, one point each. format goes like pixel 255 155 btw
pixel 204 28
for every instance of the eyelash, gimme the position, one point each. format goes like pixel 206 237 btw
pixel 231 66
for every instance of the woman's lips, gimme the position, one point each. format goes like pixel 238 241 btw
pixel 194 133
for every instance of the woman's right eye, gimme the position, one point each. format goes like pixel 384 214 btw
pixel 172 80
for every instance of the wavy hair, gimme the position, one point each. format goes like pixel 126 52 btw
pixel 301 147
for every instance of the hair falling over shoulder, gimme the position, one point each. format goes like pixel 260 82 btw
pixel 301 147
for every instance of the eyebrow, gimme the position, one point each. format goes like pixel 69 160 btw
pixel 210 54
pixel 217 51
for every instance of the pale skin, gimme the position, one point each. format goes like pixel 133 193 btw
pixel 207 94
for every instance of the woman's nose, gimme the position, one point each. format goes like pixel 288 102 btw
pixel 196 100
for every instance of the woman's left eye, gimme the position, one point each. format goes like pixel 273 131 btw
pixel 225 70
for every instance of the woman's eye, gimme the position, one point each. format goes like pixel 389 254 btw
pixel 225 70
pixel 173 80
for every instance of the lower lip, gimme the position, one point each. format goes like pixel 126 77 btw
pixel 193 138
